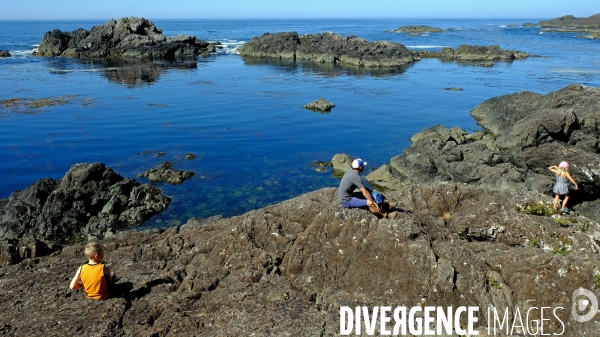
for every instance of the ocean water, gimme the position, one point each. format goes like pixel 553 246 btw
pixel 244 118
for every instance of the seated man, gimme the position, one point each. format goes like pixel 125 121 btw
pixel 352 180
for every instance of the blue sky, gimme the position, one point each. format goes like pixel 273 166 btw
pixel 234 9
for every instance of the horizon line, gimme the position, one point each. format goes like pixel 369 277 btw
pixel 295 18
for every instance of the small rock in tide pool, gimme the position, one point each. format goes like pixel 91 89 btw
pixel 320 166
pixel 454 89
pixel 164 172
pixel 190 156
pixel 320 105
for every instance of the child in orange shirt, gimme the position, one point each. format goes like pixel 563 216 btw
pixel 93 276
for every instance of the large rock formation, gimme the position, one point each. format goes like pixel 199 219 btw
pixel 91 200
pixel 4 53
pixel 524 133
pixel 286 269
pixel 127 37
pixel 328 48
pixel 474 53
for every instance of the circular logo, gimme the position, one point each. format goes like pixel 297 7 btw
pixel 578 305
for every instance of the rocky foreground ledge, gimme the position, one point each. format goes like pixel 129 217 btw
pixel 128 37
pixel 285 270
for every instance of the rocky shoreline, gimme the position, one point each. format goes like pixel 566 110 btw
pixel 474 228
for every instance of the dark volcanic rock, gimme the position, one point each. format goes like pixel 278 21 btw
pixel 165 172
pixel 90 200
pixel 4 53
pixel 417 29
pixel 127 37
pixel 320 105
pixel 286 269
pixel 474 53
pixel 524 134
pixel 328 48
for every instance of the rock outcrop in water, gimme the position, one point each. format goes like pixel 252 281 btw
pixel 91 200
pixel 328 48
pixel 524 133
pixel 474 53
pixel 286 269
pixel 320 105
pixel 4 53
pixel 128 37
pixel 417 29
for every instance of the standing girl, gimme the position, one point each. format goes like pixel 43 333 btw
pixel 560 187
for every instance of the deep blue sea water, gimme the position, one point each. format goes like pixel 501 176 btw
pixel 243 119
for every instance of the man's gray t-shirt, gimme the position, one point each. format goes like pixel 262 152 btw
pixel 350 181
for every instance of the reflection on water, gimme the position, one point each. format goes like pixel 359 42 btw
pixel 325 69
pixel 125 71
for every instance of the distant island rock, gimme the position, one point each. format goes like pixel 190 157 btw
pixel 4 53
pixel 571 24
pixel 128 37
pixel 571 21
pixel 328 48
pixel 416 29
pixel 474 53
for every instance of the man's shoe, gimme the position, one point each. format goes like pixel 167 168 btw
pixel 565 210
pixel 392 215
pixel 392 204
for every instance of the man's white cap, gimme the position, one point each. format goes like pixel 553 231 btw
pixel 358 163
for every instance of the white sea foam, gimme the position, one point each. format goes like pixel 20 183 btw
pixel 230 46
pixel 21 53
pixel 575 71
pixel 503 26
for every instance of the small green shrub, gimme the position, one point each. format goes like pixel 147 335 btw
pixel 562 250
pixel 534 208
pixel 494 283
pixel 563 223
pixel 597 276
pixel 553 234
pixel 583 227
pixel 533 242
